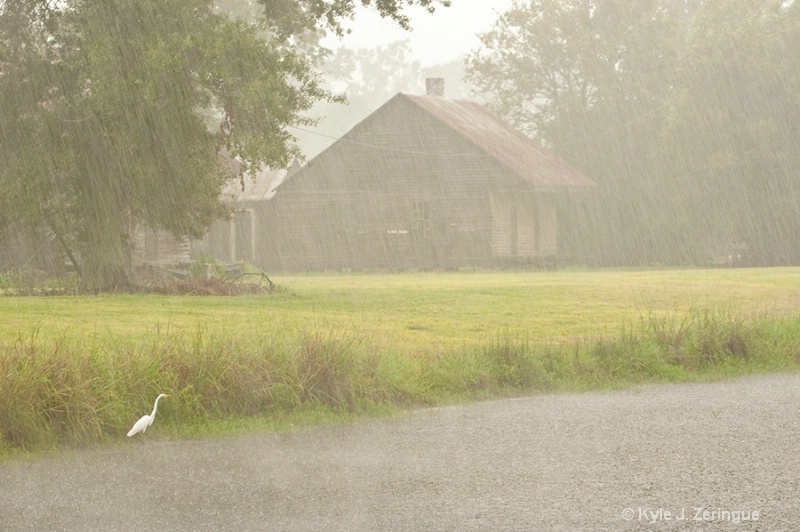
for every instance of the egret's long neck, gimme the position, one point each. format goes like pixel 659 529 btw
pixel 155 406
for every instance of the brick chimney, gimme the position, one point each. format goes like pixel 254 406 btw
pixel 434 87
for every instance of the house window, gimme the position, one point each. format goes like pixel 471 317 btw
pixel 420 220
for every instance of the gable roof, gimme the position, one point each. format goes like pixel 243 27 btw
pixel 260 187
pixel 509 147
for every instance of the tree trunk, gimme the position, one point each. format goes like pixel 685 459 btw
pixel 106 262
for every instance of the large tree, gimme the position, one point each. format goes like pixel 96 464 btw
pixel 113 113
pixel 733 129
pixel 683 111
pixel 591 79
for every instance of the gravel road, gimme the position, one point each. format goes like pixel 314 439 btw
pixel 644 459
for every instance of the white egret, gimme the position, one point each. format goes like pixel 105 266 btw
pixel 146 421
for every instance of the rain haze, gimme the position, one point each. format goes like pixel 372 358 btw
pixel 548 279
pixel 447 35
pixel 437 46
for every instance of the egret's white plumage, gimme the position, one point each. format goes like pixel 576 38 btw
pixel 146 421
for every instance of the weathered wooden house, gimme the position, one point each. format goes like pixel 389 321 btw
pixel 41 250
pixel 234 240
pixel 158 248
pixel 423 182
pixel 245 236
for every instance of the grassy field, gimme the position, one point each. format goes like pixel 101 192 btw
pixel 81 367
pixel 416 314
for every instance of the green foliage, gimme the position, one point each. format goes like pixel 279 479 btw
pixel 681 111
pixel 80 370
pixel 289 16
pixel 68 394
pixel 738 93
pixel 18 281
pixel 368 78
pixel 118 114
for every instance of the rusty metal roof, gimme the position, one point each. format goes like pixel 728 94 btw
pixel 509 147
pixel 260 187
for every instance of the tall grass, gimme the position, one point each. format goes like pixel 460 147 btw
pixel 65 392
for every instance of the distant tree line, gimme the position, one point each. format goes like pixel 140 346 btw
pixel 684 111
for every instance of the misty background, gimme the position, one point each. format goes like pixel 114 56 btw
pixel 683 111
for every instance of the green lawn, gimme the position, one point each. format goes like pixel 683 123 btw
pixel 77 369
pixel 416 313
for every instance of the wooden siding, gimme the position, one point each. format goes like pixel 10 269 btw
pixel 524 225
pixel 502 224
pixel 548 229
pixel 402 190
pixel 233 240
pixel 380 230
pixel 159 248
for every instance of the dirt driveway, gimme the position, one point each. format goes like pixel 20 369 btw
pixel 673 457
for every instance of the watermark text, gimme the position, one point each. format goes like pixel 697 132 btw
pixel 654 516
